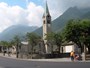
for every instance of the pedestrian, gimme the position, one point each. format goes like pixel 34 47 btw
pixel 72 54
pixel 78 57
pixel 9 52
pixel 4 52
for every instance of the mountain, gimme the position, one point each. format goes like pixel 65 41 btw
pixel 57 25
pixel 86 15
pixel 14 30
pixel 72 13
pixel 85 10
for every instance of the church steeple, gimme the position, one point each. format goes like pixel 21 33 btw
pixel 46 27
pixel 46 12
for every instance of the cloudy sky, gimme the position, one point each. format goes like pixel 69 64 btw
pixel 29 12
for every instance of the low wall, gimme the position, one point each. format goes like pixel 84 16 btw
pixel 40 56
pixel 61 55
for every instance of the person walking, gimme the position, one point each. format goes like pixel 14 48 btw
pixel 9 52
pixel 72 54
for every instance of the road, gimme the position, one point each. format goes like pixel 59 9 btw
pixel 16 63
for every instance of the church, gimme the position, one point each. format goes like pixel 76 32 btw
pixel 44 47
pixel 47 25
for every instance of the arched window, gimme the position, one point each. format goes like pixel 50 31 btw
pixel 44 21
pixel 48 21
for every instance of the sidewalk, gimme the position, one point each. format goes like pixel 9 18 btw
pixel 53 60
pixel 6 55
pixel 49 60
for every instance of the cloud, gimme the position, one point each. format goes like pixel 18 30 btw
pixel 35 14
pixel 63 5
pixel 13 15
pixel 32 15
pixel 57 7
pixel 4 21
pixel 78 3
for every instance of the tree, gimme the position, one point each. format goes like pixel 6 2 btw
pixel 78 31
pixel 16 41
pixel 58 40
pixel 55 38
pixel 5 46
pixel 33 40
pixel 85 25
pixel 50 37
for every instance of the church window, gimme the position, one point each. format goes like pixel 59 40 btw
pixel 48 21
pixel 44 21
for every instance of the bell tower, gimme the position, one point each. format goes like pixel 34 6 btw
pixel 46 27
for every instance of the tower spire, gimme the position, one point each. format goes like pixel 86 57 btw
pixel 46 27
pixel 46 12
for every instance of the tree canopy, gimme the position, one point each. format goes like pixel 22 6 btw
pixel 78 31
pixel 55 38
